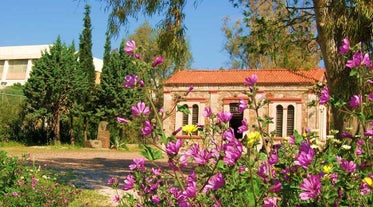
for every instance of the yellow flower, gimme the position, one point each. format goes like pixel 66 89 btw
pixel 346 147
pixel 252 138
pixel 190 129
pixel 327 169
pixel 368 181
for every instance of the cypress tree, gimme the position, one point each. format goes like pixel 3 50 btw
pixel 86 74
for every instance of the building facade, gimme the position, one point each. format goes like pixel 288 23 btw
pixel 288 93
pixel 16 63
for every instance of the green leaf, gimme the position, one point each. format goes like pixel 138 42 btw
pixel 184 109
pixel 298 137
pixel 151 154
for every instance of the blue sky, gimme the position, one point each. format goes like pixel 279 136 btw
pixel 31 22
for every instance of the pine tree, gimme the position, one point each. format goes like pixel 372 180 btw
pixel 86 74
pixel 48 90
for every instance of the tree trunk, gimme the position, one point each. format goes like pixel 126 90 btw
pixel 56 129
pixel 85 129
pixel 71 131
pixel 334 64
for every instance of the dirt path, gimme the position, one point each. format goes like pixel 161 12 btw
pixel 90 168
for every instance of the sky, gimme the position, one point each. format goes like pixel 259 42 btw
pixel 34 22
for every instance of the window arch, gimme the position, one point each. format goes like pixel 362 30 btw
pixel 279 119
pixel 290 120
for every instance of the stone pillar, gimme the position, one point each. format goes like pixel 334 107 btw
pixel 28 69
pixel 103 134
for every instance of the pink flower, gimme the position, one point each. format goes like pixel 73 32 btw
pixel 276 187
pixel 250 81
pixel 270 202
pixel 242 106
pixel 305 156
pixel 324 96
pixel 172 148
pixel 130 47
pixel 122 120
pixel 147 128
pixel 355 101
pixel 157 61
pixel 215 182
pixel 311 187
pixel 138 164
pixel 130 81
pixel 116 199
pixel 139 109
pixel 368 132
pixel 348 166
pixel 129 182
pixel 345 47
pixel 224 116
pixel 243 127
pixel 207 112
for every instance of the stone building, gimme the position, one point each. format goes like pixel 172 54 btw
pixel 288 93
pixel 16 63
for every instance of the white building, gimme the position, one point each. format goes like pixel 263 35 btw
pixel 16 63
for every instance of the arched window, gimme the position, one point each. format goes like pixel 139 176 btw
pixel 290 120
pixel 279 119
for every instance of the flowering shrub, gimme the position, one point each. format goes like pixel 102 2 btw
pixel 22 185
pixel 253 171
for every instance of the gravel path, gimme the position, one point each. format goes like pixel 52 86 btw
pixel 91 167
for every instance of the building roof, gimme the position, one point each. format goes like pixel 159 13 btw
pixel 22 52
pixel 237 77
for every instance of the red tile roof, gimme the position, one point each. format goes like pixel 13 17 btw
pixel 234 77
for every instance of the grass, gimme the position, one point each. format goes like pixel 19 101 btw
pixel 90 198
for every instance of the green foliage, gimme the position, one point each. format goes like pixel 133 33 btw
pixel 11 101
pixel 24 185
pixel 48 91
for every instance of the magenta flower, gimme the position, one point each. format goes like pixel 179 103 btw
pixel 368 132
pixel 172 148
pixel 324 96
pixel 291 140
pixel 191 189
pixel 232 152
pixel 129 182
pixel 130 81
pixel 224 116
pixel 250 81
pixel 359 59
pixel 122 120
pixel 243 127
pixel 305 155
pixel 270 202
pixel 177 131
pixel 202 157
pixel 346 135
pixel 207 112
pixel 156 199
pixel 273 158
pixel 215 182
pixel 355 101
pixel 130 47
pixel 157 61
pixel 191 87
pixel 348 166
pixel 147 128
pixel 139 109
pixel 370 81
pixel 242 106
pixel 345 47
pixel 116 199
pixel 311 187
pixel 364 188
pixel 276 187
pixel 138 164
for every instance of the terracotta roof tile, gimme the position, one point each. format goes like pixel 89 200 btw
pixel 234 77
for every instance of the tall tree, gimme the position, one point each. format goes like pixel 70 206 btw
pixel 172 28
pixel 87 73
pixel 48 90
pixel 263 40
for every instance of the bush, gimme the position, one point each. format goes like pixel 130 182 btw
pixel 23 184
